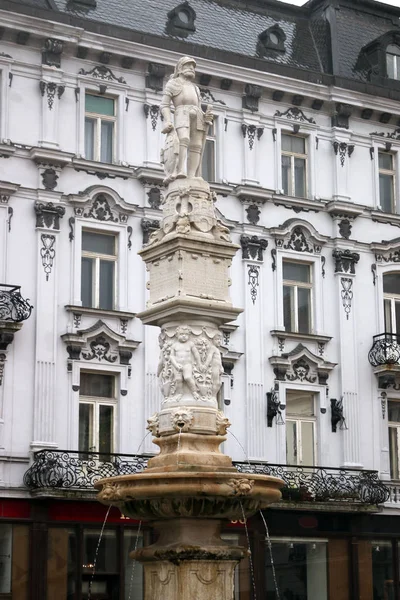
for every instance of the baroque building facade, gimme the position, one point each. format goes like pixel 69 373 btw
pixel 303 157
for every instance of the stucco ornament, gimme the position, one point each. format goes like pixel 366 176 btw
pixel 182 419
pixel 190 365
pixel 186 137
pixel 241 487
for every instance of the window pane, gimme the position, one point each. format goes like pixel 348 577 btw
pixel 300 177
pixel 299 403
pixel 391 283
pixel 386 161
pixel 390 66
pixel 296 272
pixel 87 281
pixel 288 308
pixel 133 570
pixel 292 143
pixel 90 125
pixel 107 555
pixel 106 426
pixel 99 105
pixel 388 316
pixel 382 569
pixel 85 427
pixel 386 192
pixel 208 164
pixel 98 242
pixel 5 558
pixel 304 309
pixel 97 384
pixel 287 143
pixel 301 570
pixel 107 136
pixel 106 296
pixel 394 452
pixel 291 443
pixel 307 443
pixel 286 175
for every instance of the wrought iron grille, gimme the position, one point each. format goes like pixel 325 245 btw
pixel 13 307
pixel 323 484
pixel 60 469
pixel 385 350
pixel 78 470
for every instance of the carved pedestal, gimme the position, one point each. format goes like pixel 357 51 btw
pixel 189 561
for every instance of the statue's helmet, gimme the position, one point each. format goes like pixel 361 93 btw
pixel 181 63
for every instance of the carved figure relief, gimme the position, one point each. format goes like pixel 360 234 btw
pixel 190 364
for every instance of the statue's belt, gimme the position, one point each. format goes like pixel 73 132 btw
pixel 183 114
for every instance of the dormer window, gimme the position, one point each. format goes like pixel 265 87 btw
pixel 271 39
pixel 181 20
pixel 393 61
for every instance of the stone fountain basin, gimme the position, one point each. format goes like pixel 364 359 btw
pixel 166 495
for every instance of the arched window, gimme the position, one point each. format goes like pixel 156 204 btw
pixel 393 61
pixel 391 294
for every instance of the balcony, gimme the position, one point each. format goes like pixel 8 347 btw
pixel 61 473
pixel 13 307
pixel 385 351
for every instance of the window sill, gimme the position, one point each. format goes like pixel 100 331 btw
pixel 102 170
pixel 46 156
pixel 152 176
pixel 119 314
pixel 252 193
pixel 312 337
pixel 383 217
pixel 298 204
pixel 7 150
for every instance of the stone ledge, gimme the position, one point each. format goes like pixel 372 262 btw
pixel 99 312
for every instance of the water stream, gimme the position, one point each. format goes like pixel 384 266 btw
pixel 142 442
pixel 253 579
pixel 134 561
pixel 246 458
pixel 271 556
pixel 97 553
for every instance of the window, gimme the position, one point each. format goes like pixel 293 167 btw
pixel 98 273
pixel 391 295
pixel 300 428
pixel 393 62
pixel 100 121
pixel 301 568
pixel 386 181
pixel 97 413
pixel 394 438
pixel 294 165
pixel 297 286
pixel 209 156
pixel 14 561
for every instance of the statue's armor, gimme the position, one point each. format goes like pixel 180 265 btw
pixel 187 101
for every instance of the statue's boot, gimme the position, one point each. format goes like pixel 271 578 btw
pixel 194 161
pixel 182 161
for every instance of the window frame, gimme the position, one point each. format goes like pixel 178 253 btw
pixel 394 51
pixel 213 139
pixel 96 402
pixel 298 421
pixel 392 174
pixel 98 118
pixel 293 156
pixel 294 310
pixel 392 298
pixel 97 257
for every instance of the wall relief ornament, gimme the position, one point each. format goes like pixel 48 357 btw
pixel 47 253
pixel 253 281
pixel 345 261
pixel 342 149
pixel 295 114
pixel 190 364
pixel 298 241
pixel 346 294
pixel 51 88
pixel 251 131
pixel 301 371
pixel 182 419
pixel 253 247
pixel 48 215
pixel 152 111
pixel 100 350
pixel 102 72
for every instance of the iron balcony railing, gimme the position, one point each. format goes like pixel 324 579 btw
pixel 63 470
pixel 13 307
pixel 385 350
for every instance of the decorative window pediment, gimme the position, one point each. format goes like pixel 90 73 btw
pixel 99 343
pixel 301 365
pixel 387 251
pixel 374 59
pixel 102 204
pixel 299 236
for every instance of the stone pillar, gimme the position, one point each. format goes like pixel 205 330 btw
pixel 48 217
pixel 345 269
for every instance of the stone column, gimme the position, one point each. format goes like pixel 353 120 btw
pixel 345 269
pixel 48 217
pixel 51 89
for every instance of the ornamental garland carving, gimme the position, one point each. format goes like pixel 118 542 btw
pixel 51 88
pixel 102 72
pixel 342 149
pixel 295 114
pixel 152 111
pixel 190 365
pixel 208 98
pixel 251 131
pixel 47 253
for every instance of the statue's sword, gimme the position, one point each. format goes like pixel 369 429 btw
pixel 205 134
